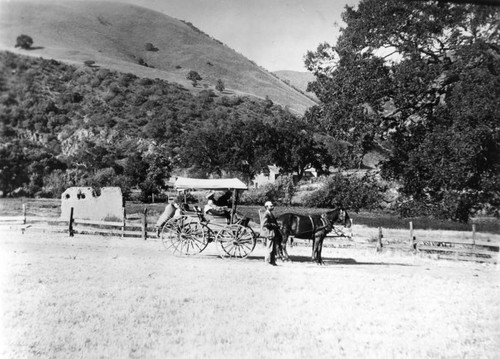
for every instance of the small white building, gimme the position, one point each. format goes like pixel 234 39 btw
pixel 262 178
pixel 87 204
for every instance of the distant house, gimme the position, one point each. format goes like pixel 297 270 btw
pixel 266 177
pixel 273 174
pixel 310 173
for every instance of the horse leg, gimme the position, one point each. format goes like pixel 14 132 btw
pixel 285 252
pixel 320 248
pixel 313 255
pixel 281 246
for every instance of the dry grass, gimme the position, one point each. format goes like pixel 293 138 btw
pixel 95 297
pixel 114 35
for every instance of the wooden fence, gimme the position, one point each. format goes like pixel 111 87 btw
pixel 470 247
pixel 15 221
pixel 133 226
pixel 466 247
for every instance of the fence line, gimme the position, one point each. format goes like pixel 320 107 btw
pixel 123 228
pixel 473 249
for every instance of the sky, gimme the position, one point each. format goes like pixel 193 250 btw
pixel 275 34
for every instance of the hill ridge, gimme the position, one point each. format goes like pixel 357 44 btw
pixel 114 35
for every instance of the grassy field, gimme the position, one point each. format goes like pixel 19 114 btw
pixel 102 297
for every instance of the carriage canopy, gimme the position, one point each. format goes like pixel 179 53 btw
pixel 213 184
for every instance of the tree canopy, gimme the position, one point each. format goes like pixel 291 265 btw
pixel 420 79
pixel 64 126
pixel 24 42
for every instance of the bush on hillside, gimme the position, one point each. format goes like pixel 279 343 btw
pixel 454 205
pixel 280 192
pixel 150 47
pixel 194 77
pixel 24 42
pixel 142 62
pixel 347 191
pixel 220 85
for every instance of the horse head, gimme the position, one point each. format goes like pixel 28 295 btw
pixel 338 215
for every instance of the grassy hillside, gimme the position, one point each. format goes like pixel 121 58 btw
pixel 114 36
pixel 297 79
pixel 64 125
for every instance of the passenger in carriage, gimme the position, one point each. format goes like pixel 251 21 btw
pixel 224 200
pixel 212 208
pixel 172 209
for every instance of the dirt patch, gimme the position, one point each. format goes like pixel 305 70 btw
pixel 95 296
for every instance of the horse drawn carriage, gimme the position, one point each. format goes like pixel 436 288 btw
pixel 191 232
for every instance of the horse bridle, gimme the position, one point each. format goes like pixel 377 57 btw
pixel 326 221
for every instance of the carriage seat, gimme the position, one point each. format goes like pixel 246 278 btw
pixel 209 218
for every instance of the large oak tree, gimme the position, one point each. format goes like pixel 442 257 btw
pixel 421 79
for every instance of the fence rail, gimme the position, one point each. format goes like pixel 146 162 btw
pixel 462 249
pixel 137 225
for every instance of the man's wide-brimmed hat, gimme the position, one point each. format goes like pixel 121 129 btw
pixel 210 194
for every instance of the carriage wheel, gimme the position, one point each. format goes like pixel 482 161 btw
pixel 184 236
pixel 235 241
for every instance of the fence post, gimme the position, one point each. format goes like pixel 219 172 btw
pixel 70 229
pixel 124 222
pixel 145 224
pixel 412 238
pixel 350 229
pixel 379 242
pixel 473 236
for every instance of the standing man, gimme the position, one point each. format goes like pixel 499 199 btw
pixel 271 232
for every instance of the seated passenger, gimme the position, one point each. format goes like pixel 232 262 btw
pixel 213 209
pixel 171 210
pixel 224 200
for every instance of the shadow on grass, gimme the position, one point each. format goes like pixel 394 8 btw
pixel 344 261
pixel 328 261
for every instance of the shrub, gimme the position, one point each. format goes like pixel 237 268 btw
pixel 347 191
pixel 454 205
pixel 55 184
pixel 103 74
pixel 220 86
pixel 24 42
pixel 194 77
pixel 150 47
pixel 95 82
pixel 256 196
pixel 282 192
pixel 126 79
pixel 145 81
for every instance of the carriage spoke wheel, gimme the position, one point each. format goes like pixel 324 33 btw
pixel 235 241
pixel 184 236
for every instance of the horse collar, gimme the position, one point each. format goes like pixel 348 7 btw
pixel 327 222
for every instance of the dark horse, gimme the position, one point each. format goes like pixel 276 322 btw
pixel 313 227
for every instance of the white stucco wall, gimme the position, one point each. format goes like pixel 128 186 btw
pixel 87 205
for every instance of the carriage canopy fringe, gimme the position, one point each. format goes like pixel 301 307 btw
pixel 214 184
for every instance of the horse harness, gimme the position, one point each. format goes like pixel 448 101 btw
pixel 326 223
